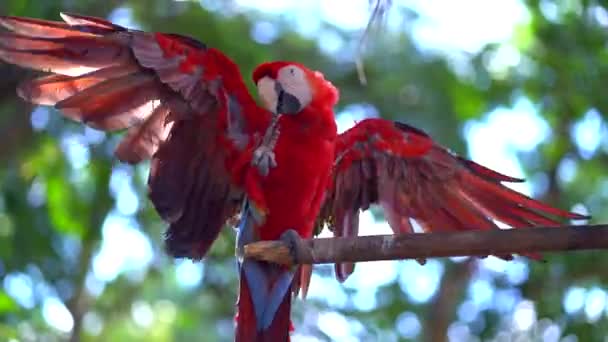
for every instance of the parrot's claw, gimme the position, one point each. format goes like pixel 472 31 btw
pixel 296 244
pixel 421 261
pixel 264 159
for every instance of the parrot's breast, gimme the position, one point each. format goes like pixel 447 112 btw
pixel 294 189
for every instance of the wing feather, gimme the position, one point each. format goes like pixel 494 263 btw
pixel 184 105
pixel 401 169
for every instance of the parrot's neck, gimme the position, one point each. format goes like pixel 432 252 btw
pixel 315 123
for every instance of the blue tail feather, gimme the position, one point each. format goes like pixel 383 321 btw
pixel 268 283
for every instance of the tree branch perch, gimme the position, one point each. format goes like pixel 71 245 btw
pixel 432 245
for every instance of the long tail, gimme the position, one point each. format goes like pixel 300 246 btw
pixel 264 303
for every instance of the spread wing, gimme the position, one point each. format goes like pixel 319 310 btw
pixel 184 105
pixel 404 171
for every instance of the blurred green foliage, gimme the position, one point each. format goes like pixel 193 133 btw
pixel 53 207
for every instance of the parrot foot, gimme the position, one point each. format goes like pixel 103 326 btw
pixel 297 246
pixel 264 159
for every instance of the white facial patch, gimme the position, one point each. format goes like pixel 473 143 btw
pixel 293 80
pixel 266 89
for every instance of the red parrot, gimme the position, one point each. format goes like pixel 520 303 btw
pixel 215 153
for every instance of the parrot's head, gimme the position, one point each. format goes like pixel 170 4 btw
pixel 289 88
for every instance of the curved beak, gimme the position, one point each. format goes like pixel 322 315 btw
pixel 286 102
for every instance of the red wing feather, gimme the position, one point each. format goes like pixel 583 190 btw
pixel 49 90
pixel 412 178
pixel 114 104
pixel 41 28
pixel 89 24
pixel 143 140
pixel 182 103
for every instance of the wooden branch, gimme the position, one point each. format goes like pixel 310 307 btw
pixel 431 245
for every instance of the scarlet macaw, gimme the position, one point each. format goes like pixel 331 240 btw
pixel 186 107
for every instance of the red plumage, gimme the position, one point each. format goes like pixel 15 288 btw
pixel 185 106
pixel 404 171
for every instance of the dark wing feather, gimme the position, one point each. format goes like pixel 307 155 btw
pixel 184 105
pixel 401 169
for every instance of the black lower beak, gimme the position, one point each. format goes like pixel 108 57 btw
pixel 287 103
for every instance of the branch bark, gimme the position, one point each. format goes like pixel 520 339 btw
pixel 429 245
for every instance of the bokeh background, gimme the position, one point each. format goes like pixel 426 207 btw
pixel 515 85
